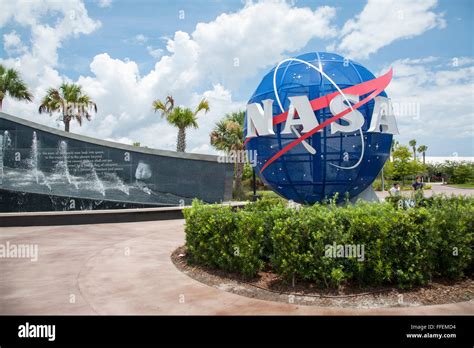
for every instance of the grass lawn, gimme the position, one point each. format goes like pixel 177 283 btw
pixel 466 186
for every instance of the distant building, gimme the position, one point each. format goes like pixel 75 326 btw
pixel 435 159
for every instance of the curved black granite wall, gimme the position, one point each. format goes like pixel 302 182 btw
pixel 42 168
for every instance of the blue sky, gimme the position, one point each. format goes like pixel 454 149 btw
pixel 126 53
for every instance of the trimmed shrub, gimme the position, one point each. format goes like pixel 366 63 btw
pixel 219 237
pixel 210 233
pixel 401 244
pixel 452 225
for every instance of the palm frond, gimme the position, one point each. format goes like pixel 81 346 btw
pixel 12 84
pixel 203 105
pixel 166 108
pixel 227 134
pixel 70 101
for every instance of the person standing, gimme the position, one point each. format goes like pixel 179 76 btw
pixel 417 185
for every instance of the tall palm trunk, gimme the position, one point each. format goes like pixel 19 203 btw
pixel 239 171
pixel 423 157
pixel 67 121
pixel 181 143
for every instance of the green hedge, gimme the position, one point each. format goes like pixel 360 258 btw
pixel 402 245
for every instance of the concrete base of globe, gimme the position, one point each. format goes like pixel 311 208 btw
pixel 367 195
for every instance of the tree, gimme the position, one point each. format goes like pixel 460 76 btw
pixel 11 84
pixel 180 117
pixel 70 102
pixel 228 135
pixel 448 169
pixel 435 171
pixel 412 143
pixel 401 163
pixel 422 149
pixel 463 173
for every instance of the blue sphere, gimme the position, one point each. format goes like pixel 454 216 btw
pixel 342 163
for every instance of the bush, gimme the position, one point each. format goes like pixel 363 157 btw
pixel 210 232
pixel 463 173
pixel 452 225
pixel 219 237
pixel 401 245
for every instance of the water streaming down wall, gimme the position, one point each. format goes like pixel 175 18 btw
pixel 46 169
pixel 5 143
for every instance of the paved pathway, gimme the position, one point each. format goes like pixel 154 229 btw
pixel 435 188
pixel 126 269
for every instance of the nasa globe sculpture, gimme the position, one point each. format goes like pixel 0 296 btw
pixel 320 125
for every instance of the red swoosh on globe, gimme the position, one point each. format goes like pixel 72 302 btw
pixel 376 85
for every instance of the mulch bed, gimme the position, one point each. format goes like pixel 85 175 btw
pixel 268 286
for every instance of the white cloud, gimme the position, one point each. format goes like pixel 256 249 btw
pixel 461 61
pixel 234 46
pixel 221 103
pixel 382 22
pixel 445 122
pixel 12 44
pixel 37 64
pixel 138 39
pixel 154 52
pixel 104 3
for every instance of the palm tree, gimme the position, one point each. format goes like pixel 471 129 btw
pixel 412 143
pixel 422 149
pixel 180 117
pixel 228 135
pixel 12 84
pixel 70 101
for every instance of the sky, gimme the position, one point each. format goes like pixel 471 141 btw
pixel 125 54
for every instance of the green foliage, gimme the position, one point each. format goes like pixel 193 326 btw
pixel 248 172
pixel 228 136
pixel 180 117
pixel 403 166
pixel 228 133
pixel 452 225
pixel 463 173
pixel 457 172
pixel 402 244
pixel 12 84
pixel 70 101
pixel 401 162
pixel 216 236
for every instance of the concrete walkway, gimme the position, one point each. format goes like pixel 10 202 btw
pixel 436 188
pixel 126 269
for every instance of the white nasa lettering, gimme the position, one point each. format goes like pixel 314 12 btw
pixel 306 118
pixel 354 118
pixel 383 119
pixel 260 120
